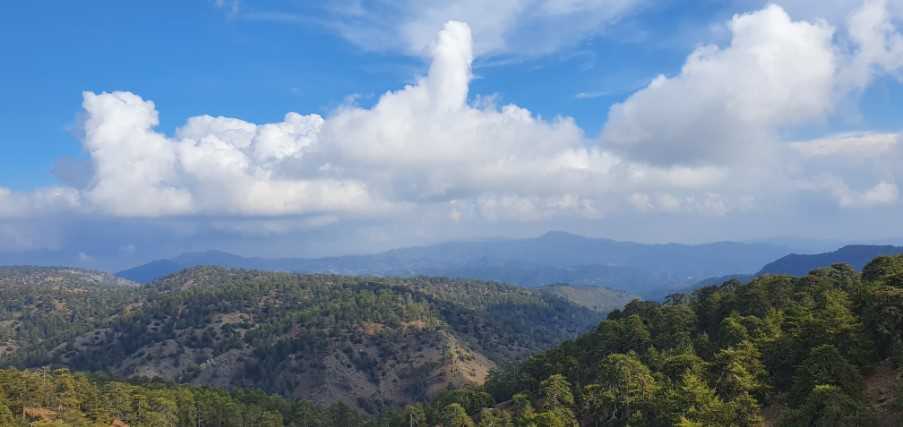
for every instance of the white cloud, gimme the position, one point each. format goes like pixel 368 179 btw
pixel 217 166
pixel 40 202
pixel 727 104
pixel 706 142
pixel 130 159
pixel 728 107
pixel 867 145
pixel 420 146
pixel 880 44
pixel 856 170
pixel 812 10
pixel 703 204
pixel 881 194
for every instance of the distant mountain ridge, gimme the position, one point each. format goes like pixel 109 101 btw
pixel 855 255
pixel 555 257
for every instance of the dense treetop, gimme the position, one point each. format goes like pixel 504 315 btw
pixel 43 307
pixel 813 350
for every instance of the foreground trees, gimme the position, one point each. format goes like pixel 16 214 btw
pixel 782 350
pixel 721 356
pixel 61 398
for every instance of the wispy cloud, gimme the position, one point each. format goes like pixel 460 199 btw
pixel 232 7
pixel 617 90
pixel 521 28
pixel 593 94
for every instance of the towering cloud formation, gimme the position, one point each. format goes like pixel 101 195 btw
pixel 130 159
pixel 449 76
pixel 422 144
pixel 705 141
pixel 727 104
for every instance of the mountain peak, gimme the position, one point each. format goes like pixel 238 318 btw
pixel 212 256
pixel 855 255
pixel 560 235
pixel 208 252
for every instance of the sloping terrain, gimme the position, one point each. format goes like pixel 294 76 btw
pixel 42 307
pixel 855 255
pixel 824 349
pixel 368 342
pixel 603 300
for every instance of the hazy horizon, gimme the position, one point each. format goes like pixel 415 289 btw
pixel 117 262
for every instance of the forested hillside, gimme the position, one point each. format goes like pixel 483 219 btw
pixel 42 307
pixel 825 349
pixel 603 300
pixel 371 343
pixel 61 398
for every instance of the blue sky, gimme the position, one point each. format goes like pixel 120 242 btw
pixel 194 58
pixel 187 56
pixel 716 151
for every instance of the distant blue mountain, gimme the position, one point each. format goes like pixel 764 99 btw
pixel 855 255
pixel 151 271
pixel 555 257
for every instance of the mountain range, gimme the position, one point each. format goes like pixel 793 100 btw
pixel 856 256
pixel 555 257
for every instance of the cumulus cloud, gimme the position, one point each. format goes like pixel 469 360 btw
pixel 880 44
pixel 728 103
pixel 422 146
pixel 130 159
pixel 217 166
